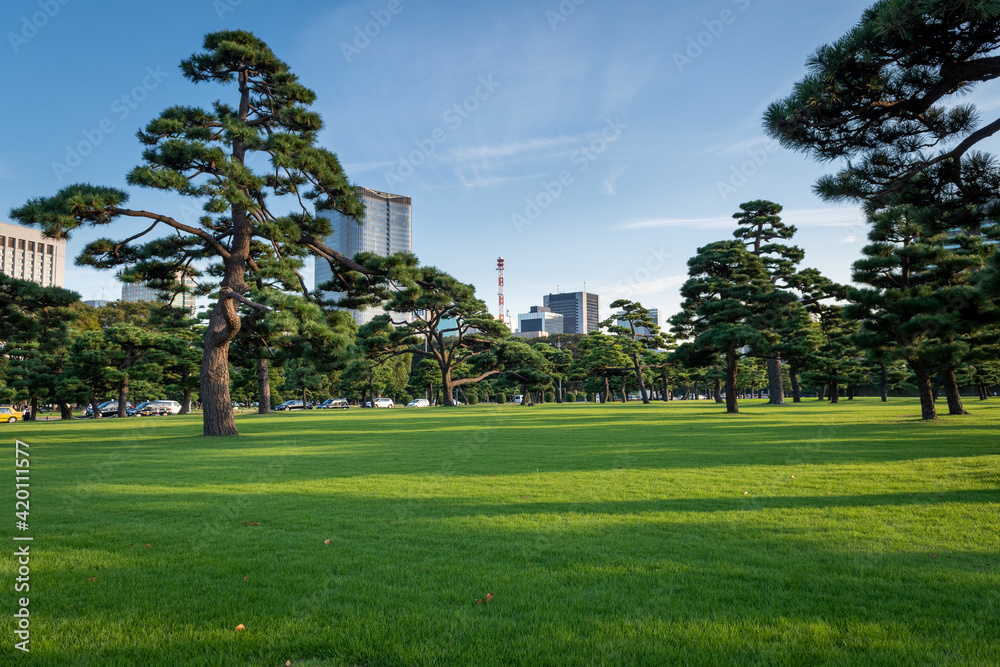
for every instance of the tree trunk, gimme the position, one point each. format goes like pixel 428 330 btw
pixel 263 387
pixel 525 395
pixel 624 393
pixel 983 392
pixel 666 389
pixel 371 389
pixel 718 390
pixel 924 386
pixel 953 392
pixel 93 407
pixel 821 392
pixel 775 383
pixel 186 402
pixel 607 390
pixel 793 374
pixel 64 411
pixel 123 396
pixel 638 378
pixel 850 391
pixel 732 367
pixel 217 407
pixel 34 408
pixel 884 382
pixel 465 398
pixel 447 389
pixel 834 391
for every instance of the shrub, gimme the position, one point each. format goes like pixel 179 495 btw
pixel 550 397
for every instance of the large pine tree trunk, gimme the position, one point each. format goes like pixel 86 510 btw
pixel 983 392
pixel 64 411
pixel 926 390
pixel 263 387
pixel 718 390
pixel 793 374
pixel 607 390
pixel 666 389
pixel 821 392
pixel 953 392
pixel 884 383
pixel 732 367
pixel 525 395
pixel 624 393
pixel 94 410
pixel 447 388
pixel 34 408
pixel 834 391
pixel 186 402
pixel 775 383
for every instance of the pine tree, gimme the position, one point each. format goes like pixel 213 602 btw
pixel 211 155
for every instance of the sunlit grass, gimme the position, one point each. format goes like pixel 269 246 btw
pixel 663 534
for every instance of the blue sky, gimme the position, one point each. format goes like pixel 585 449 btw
pixel 585 142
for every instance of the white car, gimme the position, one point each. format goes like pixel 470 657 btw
pixel 173 407
pixel 518 398
pixel 419 403
pixel 383 403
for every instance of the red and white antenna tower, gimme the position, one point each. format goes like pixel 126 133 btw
pixel 500 293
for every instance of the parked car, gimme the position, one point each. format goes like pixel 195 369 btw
pixel 10 415
pixel 150 408
pixel 172 407
pixel 419 403
pixel 292 404
pixel 334 404
pixel 109 409
pixel 518 398
pixel 381 403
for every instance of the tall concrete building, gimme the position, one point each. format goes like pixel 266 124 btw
pixel 27 255
pixel 385 230
pixel 541 319
pixel 141 291
pixel 580 310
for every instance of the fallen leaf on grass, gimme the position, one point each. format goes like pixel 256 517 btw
pixel 92 579
pixel 240 627
pixel 245 578
pixel 326 541
pixel 147 545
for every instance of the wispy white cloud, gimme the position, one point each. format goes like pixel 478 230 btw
pixel 850 238
pixel 510 148
pixel 820 217
pixel 367 166
pixel 625 289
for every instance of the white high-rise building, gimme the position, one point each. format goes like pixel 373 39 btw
pixel 385 230
pixel 26 254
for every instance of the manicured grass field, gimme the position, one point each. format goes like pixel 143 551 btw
pixel 617 535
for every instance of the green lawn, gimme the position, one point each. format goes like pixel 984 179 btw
pixel 619 535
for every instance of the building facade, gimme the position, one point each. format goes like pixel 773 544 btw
pixel 580 310
pixel 385 230
pixel 27 255
pixel 541 319
pixel 141 291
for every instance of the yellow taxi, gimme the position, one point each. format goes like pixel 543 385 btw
pixel 10 415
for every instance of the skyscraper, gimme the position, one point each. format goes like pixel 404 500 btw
pixel 27 255
pixel 540 319
pixel 385 230
pixel 580 310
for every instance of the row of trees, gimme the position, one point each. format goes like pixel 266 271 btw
pixel 924 293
